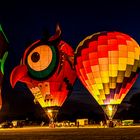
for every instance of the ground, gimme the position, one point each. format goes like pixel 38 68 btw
pixel 82 133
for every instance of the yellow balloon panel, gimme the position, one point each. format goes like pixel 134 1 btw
pixel 113 67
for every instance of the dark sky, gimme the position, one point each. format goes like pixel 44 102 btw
pixel 24 21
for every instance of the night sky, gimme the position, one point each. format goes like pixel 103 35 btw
pixel 24 21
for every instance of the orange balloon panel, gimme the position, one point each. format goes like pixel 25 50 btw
pixel 107 64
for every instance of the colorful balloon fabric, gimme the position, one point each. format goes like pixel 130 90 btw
pixel 47 68
pixel 3 55
pixel 107 63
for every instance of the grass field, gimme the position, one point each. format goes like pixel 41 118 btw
pixel 43 133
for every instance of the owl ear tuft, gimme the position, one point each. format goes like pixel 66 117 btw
pixel 54 39
pixel 56 35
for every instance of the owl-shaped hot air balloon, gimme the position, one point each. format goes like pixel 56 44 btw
pixel 47 68
pixel 3 55
pixel 107 63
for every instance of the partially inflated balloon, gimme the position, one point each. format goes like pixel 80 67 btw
pixel 3 56
pixel 107 63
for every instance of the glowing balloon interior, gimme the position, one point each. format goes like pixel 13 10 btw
pixel 107 63
pixel 47 68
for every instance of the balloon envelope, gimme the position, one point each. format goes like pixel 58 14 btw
pixel 53 90
pixel 107 63
pixel 47 68
pixel 3 56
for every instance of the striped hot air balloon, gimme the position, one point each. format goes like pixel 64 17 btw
pixel 107 63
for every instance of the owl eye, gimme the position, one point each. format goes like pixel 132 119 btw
pixel 35 57
pixel 41 61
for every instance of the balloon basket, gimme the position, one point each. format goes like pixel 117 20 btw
pixel 52 113
pixel 110 110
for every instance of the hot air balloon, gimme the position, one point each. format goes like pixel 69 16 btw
pixel 107 63
pixel 3 55
pixel 47 68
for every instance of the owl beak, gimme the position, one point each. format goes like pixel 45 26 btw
pixel 19 73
